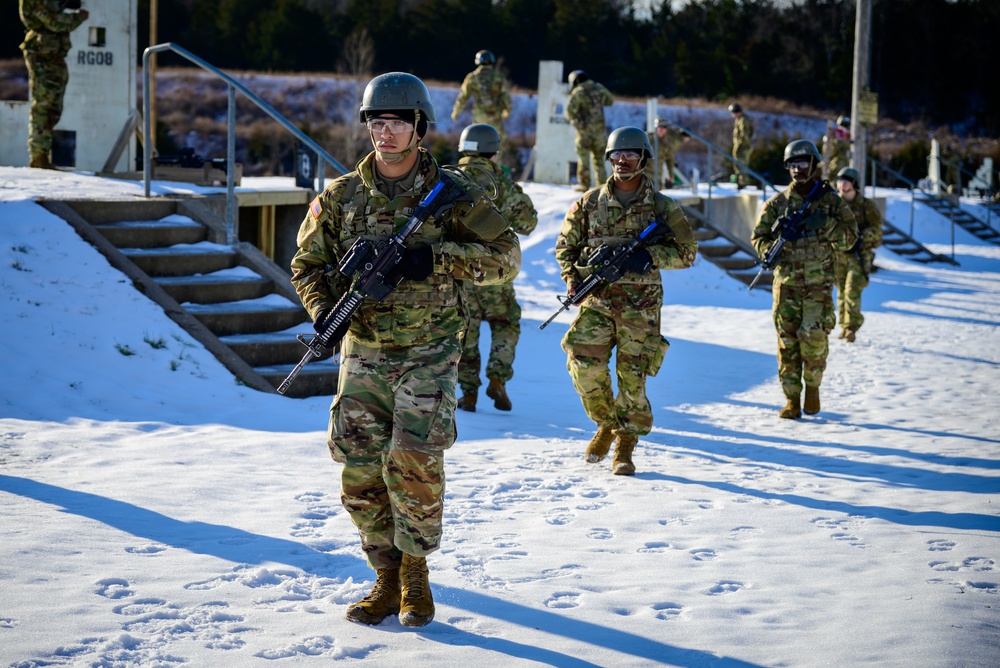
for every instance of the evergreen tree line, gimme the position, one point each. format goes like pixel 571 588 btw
pixel 932 60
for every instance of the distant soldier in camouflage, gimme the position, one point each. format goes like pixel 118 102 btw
pixel 490 93
pixel 804 275
pixel 496 304
pixel 837 147
pixel 394 412
pixel 854 266
pixel 742 142
pixel 664 139
pixel 585 110
pixel 45 46
pixel 624 315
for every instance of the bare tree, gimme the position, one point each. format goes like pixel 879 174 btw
pixel 357 60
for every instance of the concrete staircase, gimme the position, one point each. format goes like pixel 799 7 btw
pixel 901 243
pixel 729 254
pixel 234 300
pixel 950 209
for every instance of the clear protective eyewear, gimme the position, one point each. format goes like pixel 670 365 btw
pixel 801 163
pixel 394 125
pixel 628 155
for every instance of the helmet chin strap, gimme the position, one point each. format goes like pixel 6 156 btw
pixel 628 175
pixel 810 175
pixel 392 158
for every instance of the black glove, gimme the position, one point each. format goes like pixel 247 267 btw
pixel 790 233
pixel 639 261
pixel 417 264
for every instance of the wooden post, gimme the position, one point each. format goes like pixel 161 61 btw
pixel 862 81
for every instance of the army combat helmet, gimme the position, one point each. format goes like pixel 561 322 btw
pixel 479 138
pixel 628 139
pixel 577 77
pixel 735 108
pixel 402 95
pixel 803 148
pixel 485 57
pixel 850 174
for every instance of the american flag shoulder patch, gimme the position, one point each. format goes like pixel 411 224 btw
pixel 316 207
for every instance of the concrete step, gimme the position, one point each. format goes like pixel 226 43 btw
pixel 183 259
pixel 735 262
pixel 236 284
pixel 316 379
pixel 270 348
pixel 174 229
pixel 718 248
pixel 266 314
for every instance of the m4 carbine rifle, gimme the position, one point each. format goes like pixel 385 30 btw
pixel 609 265
pixel 374 271
pixel 793 221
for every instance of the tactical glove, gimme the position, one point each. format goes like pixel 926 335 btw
pixel 790 233
pixel 417 264
pixel 639 261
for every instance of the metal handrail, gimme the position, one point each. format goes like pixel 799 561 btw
pixel 233 85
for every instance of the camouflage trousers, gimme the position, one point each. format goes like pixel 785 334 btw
pixel 47 79
pixel 497 305
pixel 390 423
pixel 588 344
pixel 803 317
pixel 851 280
pixel 742 153
pixel 590 144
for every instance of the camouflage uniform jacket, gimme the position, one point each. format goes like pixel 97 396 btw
pixel 513 204
pixel 471 242
pixel 869 220
pixel 490 92
pixel 598 218
pixel 48 27
pixel 742 132
pixel 829 226
pixel 585 108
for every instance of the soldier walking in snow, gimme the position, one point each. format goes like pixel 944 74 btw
pixel 585 110
pixel 394 412
pixel 664 139
pixel 490 93
pixel 624 315
pixel 812 222
pixel 45 47
pixel 854 266
pixel 496 304
pixel 742 142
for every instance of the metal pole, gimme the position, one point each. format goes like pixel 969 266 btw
pixel 147 147
pixel 862 81
pixel 150 137
pixel 231 231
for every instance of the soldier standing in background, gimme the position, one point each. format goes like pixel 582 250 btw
pixel 585 110
pixel 490 93
pixel 854 266
pixel 394 412
pixel 49 23
pixel 837 147
pixel 665 139
pixel 742 142
pixel 804 275
pixel 496 304
pixel 624 315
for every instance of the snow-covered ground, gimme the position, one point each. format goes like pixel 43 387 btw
pixel 156 513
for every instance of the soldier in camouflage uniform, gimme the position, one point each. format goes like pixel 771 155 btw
pixel 742 142
pixel 585 110
pixel 837 147
pixel 804 274
pixel 45 48
pixel 496 304
pixel 624 315
pixel 394 412
pixel 664 139
pixel 490 93
pixel 854 266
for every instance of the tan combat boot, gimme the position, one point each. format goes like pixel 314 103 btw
pixel 600 444
pixel 791 411
pixel 850 335
pixel 381 601
pixel 468 400
pixel 622 464
pixel 811 407
pixel 498 394
pixel 417 606
pixel 41 162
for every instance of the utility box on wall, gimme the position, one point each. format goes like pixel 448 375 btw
pixel 99 97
